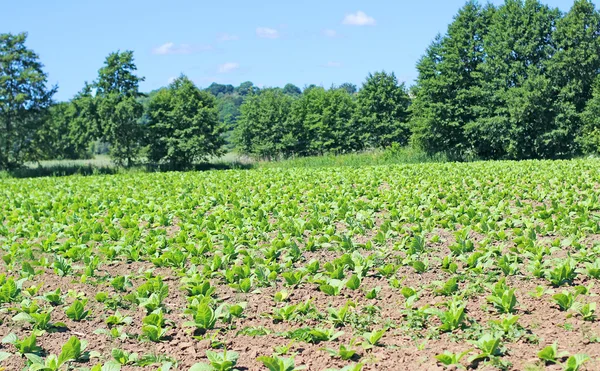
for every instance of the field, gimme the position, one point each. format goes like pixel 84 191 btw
pixel 487 265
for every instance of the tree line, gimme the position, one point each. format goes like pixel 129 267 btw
pixel 515 81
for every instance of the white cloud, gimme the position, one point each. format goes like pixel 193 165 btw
pixel 228 67
pixel 331 64
pixel 330 33
pixel 227 37
pixel 359 18
pixel 267 33
pixel 172 48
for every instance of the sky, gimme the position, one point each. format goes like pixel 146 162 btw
pixel 268 42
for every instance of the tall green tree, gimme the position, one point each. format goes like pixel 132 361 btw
pixel 220 89
pixel 449 83
pixel 246 88
pixel 515 107
pixel 589 137
pixel 382 111
pixel 59 138
pixel 349 87
pixel 119 111
pixel 183 125
pixel 85 125
pixel 263 129
pixel 323 121
pixel 573 69
pixel 292 90
pixel 24 100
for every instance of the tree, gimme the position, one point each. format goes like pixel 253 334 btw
pixel 348 87
pixel 515 106
pixel 117 76
pixel 589 139
pixel 183 125
pixel 84 126
pixel 382 111
pixel 291 89
pixel 263 129
pixel 119 111
pixel 322 120
pixel 57 138
pixel 448 88
pixel 219 89
pixel 121 115
pixel 573 68
pixel 24 100
pixel 246 88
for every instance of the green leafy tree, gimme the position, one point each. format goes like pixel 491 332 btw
pixel 120 117
pixel 246 88
pixel 24 100
pixel 117 76
pixel 57 139
pixel 515 106
pixel 323 120
pixel 573 69
pixel 448 90
pixel 589 138
pixel 119 111
pixel 382 111
pixel 85 124
pixel 262 128
pixel 183 125
pixel 219 89
pixel 349 87
pixel 291 89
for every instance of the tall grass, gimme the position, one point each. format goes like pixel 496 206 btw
pixel 392 155
pixel 103 164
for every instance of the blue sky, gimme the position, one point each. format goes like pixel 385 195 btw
pixel 269 42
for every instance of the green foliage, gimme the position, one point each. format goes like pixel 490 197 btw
pixel 263 128
pixel 453 317
pixel 120 117
pixel 154 326
pixel 450 359
pixel 550 354
pixel 574 362
pixel 323 122
pixel 183 126
pixel 25 100
pixel 503 298
pixel 204 318
pixel 225 361
pixel 510 82
pixel 447 91
pixel 382 111
pixel 26 345
pixel 274 363
pixel 76 311
pixel 119 111
pixel 372 338
pixel 590 134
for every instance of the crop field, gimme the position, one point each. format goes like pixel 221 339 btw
pixel 487 265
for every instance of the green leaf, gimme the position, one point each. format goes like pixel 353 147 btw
pixel 71 351
pixel 353 283
pixel 4 356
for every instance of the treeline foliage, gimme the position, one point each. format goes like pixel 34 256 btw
pixel 516 81
pixel 175 126
pixel 283 123
pixel 512 82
